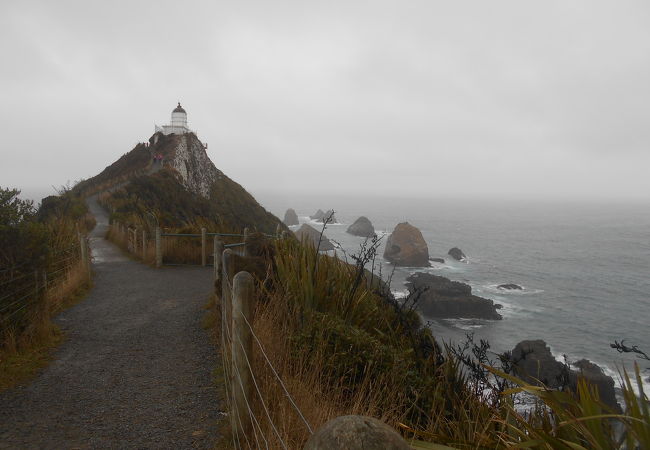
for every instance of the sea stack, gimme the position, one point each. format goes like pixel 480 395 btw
pixel 327 215
pixel 308 234
pixel 457 254
pixel 318 215
pixel 362 227
pixel 406 247
pixel 291 218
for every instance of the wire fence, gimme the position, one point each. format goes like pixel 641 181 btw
pixel 174 249
pixel 251 415
pixel 24 286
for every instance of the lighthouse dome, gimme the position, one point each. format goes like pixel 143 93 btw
pixel 179 109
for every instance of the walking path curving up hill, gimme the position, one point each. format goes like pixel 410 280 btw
pixel 135 369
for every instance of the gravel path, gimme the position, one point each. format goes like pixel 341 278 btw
pixel 135 369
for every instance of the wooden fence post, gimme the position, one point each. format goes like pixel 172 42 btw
pixel 88 261
pixel 226 305
pixel 242 349
pixel 144 245
pixel 226 302
pixel 159 252
pixel 217 250
pixel 204 247
pixel 245 252
pixel 82 246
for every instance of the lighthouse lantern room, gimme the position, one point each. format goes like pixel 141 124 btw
pixel 178 124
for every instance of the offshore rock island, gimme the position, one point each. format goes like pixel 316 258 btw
pixel 442 298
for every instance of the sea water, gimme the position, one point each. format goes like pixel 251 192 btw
pixel 585 268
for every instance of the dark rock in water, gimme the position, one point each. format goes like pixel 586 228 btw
pixel 318 215
pixel 327 215
pixel 534 361
pixel 407 247
pixel 446 299
pixel 510 287
pixel 362 227
pixel 457 254
pixel 290 217
pixel 438 260
pixel 308 234
pixel 595 375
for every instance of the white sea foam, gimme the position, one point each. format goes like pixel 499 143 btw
pixel 494 288
pixel 400 294
pixel 465 324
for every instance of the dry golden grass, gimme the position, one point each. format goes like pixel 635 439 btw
pixel 315 396
pixel 133 248
pixel 23 355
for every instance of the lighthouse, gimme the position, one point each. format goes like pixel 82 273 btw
pixel 178 124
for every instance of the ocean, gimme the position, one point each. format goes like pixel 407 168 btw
pixel 585 268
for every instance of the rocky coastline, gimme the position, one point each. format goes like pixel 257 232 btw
pixel 441 298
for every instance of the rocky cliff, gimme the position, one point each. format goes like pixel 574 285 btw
pixel 174 177
pixel 189 158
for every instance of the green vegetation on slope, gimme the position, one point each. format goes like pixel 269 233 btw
pixel 136 194
pixel 40 273
pixel 162 196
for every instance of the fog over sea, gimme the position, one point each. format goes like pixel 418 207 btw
pixel 585 268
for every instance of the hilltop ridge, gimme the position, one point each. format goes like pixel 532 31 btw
pixel 183 187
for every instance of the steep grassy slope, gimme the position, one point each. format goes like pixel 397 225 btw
pixel 185 190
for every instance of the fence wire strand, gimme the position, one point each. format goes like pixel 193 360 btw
pixel 266 410
pixel 284 388
pixel 250 410
pixel 231 370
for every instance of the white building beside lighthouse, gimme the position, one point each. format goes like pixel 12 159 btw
pixel 178 124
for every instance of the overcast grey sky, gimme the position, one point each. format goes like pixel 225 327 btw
pixel 408 98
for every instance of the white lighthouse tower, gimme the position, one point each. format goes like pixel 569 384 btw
pixel 178 124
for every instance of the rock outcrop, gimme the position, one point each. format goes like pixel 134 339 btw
pixel 308 234
pixel 445 299
pixel 327 215
pixel 192 163
pixel 362 227
pixel 407 247
pixel 510 287
pixel 534 361
pixel 318 215
pixel 356 433
pixel 596 376
pixel 457 254
pixel 291 218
